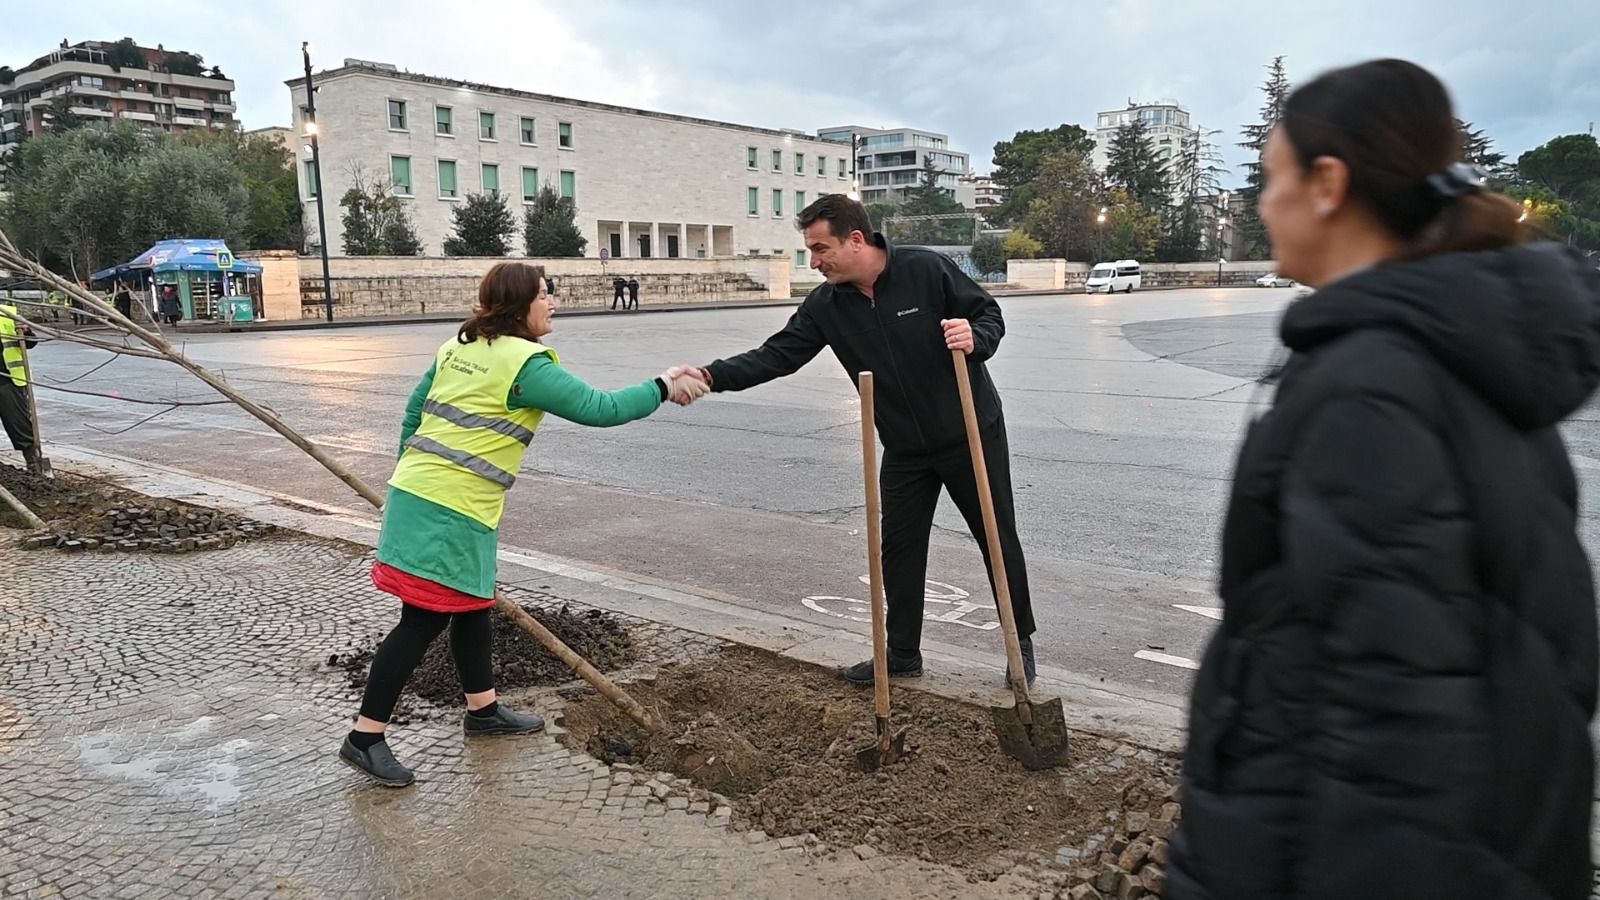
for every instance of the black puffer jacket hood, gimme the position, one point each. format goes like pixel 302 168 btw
pixel 1521 326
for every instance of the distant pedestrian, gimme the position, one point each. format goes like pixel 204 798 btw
pixel 123 301
pixel 633 292
pixel 171 305
pixel 619 288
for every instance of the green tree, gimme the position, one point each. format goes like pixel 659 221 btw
pixel 1132 228
pixel 1195 172
pixel 1569 166
pixel 1478 149
pixel 7 76
pixel 1134 167
pixel 68 194
pixel 1249 234
pixel 929 200
pixel 375 221
pixel 1017 164
pixel 183 190
pixel 878 213
pixel 191 64
pixel 483 226
pixel 548 229
pixel 1062 214
pixel 989 254
pixel 59 117
pixel 266 168
pixel 125 54
pixel 1019 244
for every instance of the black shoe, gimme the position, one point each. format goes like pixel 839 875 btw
pixel 378 762
pixel 504 721
pixel 901 665
pixel 1029 667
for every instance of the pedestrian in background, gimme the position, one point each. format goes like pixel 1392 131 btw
pixel 1397 702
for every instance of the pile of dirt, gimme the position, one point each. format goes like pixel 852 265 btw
pixel 519 660
pixel 82 514
pixel 778 739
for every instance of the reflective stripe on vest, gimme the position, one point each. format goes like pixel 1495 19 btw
pixel 469 445
pixel 477 465
pixel 461 417
pixel 11 346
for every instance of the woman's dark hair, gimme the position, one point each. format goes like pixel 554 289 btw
pixel 504 296
pixel 1390 122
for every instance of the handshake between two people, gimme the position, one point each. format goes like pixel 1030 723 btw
pixel 686 384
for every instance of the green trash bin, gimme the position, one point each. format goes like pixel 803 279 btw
pixel 238 309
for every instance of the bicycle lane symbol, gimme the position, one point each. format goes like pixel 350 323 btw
pixel 941 603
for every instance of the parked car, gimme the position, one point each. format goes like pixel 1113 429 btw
pixel 1122 275
pixel 1274 280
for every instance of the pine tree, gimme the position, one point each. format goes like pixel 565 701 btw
pixel 1195 172
pixel 1250 236
pixel 1134 166
pixel 483 226
pixel 548 229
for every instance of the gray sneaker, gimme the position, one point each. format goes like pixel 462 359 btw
pixel 504 721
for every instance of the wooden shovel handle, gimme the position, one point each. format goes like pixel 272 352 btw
pixel 869 471
pixel 997 563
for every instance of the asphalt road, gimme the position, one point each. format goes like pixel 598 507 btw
pixel 1123 412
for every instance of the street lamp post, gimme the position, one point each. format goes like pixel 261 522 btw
pixel 1100 221
pixel 316 169
pixel 1221 249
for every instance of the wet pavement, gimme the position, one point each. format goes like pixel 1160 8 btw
pixel 168 727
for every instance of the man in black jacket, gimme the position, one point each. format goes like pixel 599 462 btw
pixel 898 312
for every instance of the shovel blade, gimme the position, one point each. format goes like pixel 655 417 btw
pixel 1041 745
pixel 887 750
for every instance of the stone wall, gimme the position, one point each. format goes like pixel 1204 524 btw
pixel 402 286
pixel 1061 275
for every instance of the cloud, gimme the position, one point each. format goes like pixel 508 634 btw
pixel 1525 73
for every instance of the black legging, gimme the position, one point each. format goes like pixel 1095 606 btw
pixel 401 652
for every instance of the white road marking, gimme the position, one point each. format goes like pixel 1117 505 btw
pixel 1167 659
pixel 1210 612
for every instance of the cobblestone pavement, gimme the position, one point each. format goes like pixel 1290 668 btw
pixel 168 726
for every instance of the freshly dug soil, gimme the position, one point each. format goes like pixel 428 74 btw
pixel 778 739
pixel 519 660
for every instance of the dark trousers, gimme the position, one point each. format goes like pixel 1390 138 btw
pixel 16 416
pixel 618 296
pixel 633 297
pixel 471 637
pixel 910 489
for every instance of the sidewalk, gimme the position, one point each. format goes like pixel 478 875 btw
pixel 168 727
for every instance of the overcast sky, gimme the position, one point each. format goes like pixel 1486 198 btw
pixel 1526 71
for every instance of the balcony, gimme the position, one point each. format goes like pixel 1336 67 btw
pixel 190 121
pixel 138 116
pixel 222 107
pixel 93 112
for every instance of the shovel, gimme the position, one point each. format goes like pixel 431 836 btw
pixel 889 746
pixel 1034 733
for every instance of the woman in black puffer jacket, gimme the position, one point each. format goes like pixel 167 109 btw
pixel 1397 702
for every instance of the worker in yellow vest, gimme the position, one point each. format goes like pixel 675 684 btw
pixel 58 302
pixel 465 430
pixel 15 409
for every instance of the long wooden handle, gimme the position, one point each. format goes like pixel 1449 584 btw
pixel 997 563
pixel 587 672
pixel 869 471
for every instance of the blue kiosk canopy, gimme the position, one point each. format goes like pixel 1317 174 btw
pixel 182 255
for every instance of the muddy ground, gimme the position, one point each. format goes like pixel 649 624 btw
pixel 778 739
pixel 519 660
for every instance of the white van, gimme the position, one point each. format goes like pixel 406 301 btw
pixel 1122 275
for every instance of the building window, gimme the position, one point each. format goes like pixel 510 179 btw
pixel 530 132
pixel 491 178
pixel 822 166
pixel 842 168
pixel 486 126
pixel 311 181
pixel 800 259
pixel 799 163
pixel 777 160
pixel 752 200
pixel 750 157
pixel 799 201
pixel 441 121
pixel 777 202
pixel 397 115
pixel 400 174
pixel 565 132
pixel 447 179
pixel 530 184
pixel 569 185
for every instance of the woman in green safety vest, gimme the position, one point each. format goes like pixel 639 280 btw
pixel 465 430
pixel 16 412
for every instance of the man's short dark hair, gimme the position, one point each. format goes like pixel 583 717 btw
pixel 842 214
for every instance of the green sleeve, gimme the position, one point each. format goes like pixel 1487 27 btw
pixel 413 419
pixel 544 384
